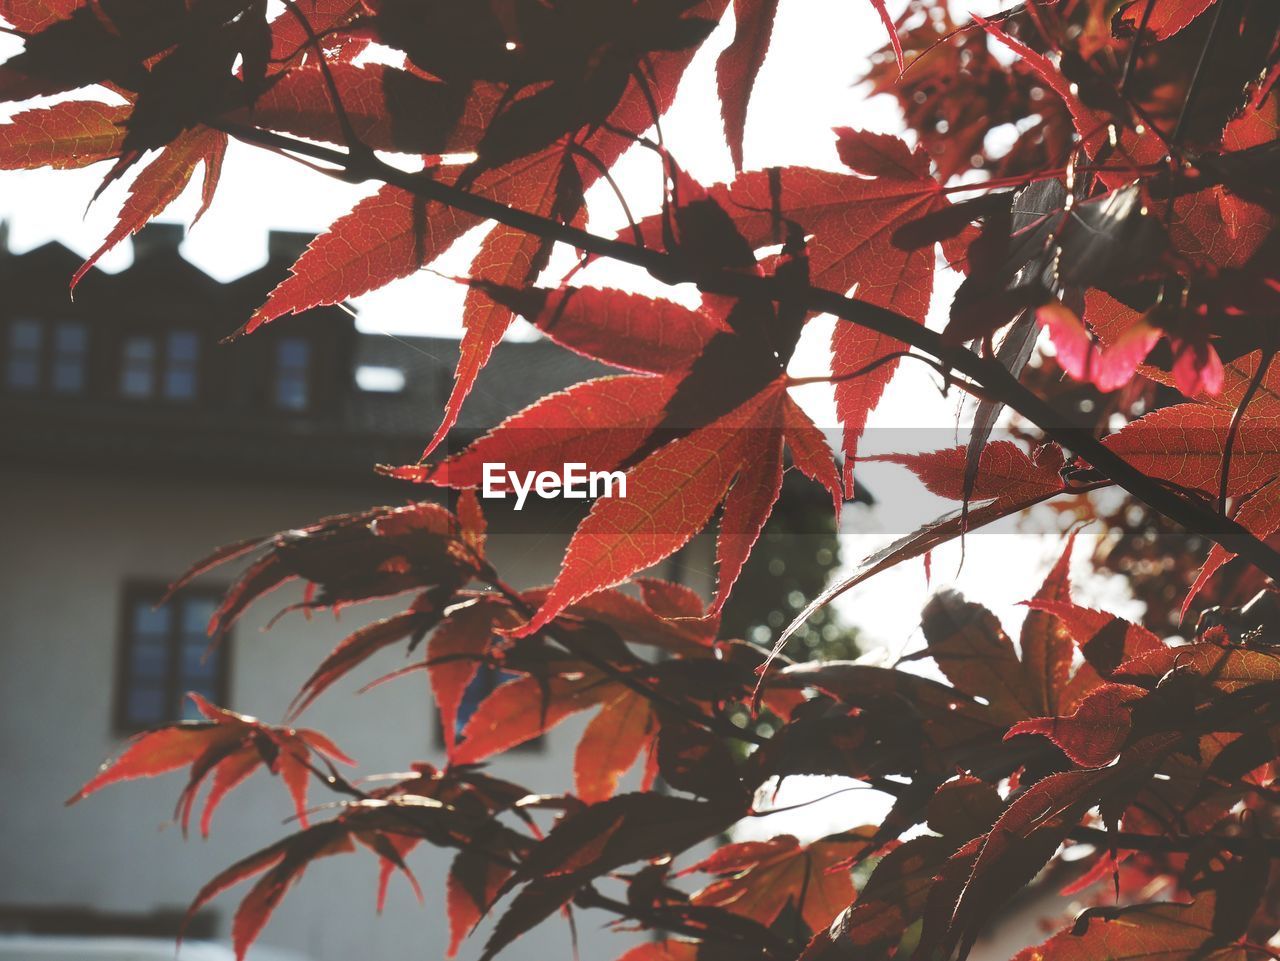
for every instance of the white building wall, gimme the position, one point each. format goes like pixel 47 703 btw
pixel 71 542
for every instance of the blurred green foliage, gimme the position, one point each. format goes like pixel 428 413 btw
pixel 797 553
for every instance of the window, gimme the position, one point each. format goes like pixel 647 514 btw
pixel 25 354
pixel 70 357
pixel 165 653
pixel 174 376
pixel 293 360
pixel 138 367
pixel 181 365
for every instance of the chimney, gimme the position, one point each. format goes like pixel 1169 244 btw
pixel 287 245
pixel 157 238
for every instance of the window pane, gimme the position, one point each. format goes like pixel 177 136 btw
pixel 138 372
pixel 181 365
pixel 293 352
pixel 70 338
pixel 293 355
pixel 149 659
pixel 149 644
pixel 183 345
pixel 22 371
pixel 196 613
pixel 70 353
pixel 146 705
pixel 291 393
pixel 151 621
pixel 199 661
pixel 136 383
pixel 25 334
pixel 140 349
pixel 180 383
pixel 68 377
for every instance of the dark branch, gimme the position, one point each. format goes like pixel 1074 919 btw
pixel 1174 843
pixel 672 269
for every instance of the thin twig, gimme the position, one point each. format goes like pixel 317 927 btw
pixel 626 679
pixel 1194 86
pixel 1264 364
pixel 353 143
pixel 1173 843
pixel 607 176
pixel 1132 59
pixel 972 389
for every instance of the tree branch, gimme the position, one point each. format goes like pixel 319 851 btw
pixel 710 723
pixel 673 269
pixel 1173 843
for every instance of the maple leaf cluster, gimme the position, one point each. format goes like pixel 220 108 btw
pixel 1101 173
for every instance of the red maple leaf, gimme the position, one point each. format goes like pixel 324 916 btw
pixel 891 187
pixel 162 181
pixel 64 136
pixel 758 879
pixel 1167 17
pixel 1094 733
pixel 226 745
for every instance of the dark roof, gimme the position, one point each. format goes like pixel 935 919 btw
pixel 232 428
pixel 517 374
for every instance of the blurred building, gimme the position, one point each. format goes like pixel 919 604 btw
pixel 134 442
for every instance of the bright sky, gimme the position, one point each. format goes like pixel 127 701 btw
pixel 806 88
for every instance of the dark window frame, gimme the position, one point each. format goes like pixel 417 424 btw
pixel 137 591
pixel 163 365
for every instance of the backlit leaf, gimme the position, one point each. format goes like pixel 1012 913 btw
pixel 1184 444
pixel 748 504
pixel 670 495
pixel 522 709
pixel 63 136
pixel 739 64
pixel 760 878
pixel 1094 733
pixel 1045 646
pixel 1005 473
pixel 1167 17
pixel 1142 932
pixel 610 745
pixel 972 650
pixel 161 182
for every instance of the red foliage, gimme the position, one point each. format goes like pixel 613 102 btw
pixel 1131 214
pixel 226 746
